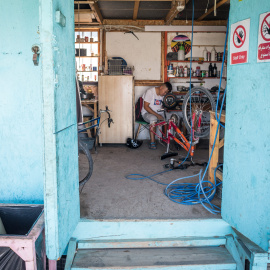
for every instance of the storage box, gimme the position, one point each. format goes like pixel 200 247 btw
pixel 115 66
pixel 24 240
pixel 80 52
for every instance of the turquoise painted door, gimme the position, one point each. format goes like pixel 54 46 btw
pixel 246 176
pixel 61 192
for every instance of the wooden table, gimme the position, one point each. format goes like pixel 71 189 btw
pixel 92 105
pixel 219 143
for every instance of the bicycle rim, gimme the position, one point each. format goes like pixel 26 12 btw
pixel 85 163
pixel 202 102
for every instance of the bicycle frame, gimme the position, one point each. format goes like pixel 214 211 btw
pixel 184 142
pixel 88 122
pixel 98 121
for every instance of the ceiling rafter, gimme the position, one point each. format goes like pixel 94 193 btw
pixel 94 6
pixel 83 15
pixel 136 9
pixel 220 3
pixel 161 22
pixel 173 11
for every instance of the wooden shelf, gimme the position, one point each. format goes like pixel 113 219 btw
pixel 86 56
pixel 198 78
pixel 199 62
pixel 88 81
pixel 87 71
pixel 96 42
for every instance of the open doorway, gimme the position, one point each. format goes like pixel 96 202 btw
pixel 109 194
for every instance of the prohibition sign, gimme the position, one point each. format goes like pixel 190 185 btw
pixel 265 28
pixel 239 36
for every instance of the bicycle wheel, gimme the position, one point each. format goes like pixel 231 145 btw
pixel 201 102
pixel 85 163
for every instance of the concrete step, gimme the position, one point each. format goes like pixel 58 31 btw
pixel 147 243
pixel 171 258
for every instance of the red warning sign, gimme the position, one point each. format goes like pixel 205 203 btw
pixel 265 28
pixel 239 42
pixel 264 38
pixel 239 36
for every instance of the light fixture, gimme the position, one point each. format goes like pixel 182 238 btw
pixel 180 7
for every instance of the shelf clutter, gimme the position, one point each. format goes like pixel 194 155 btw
pixel 87 55
pixel 206 61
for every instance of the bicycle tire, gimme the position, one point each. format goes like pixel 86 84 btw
pixel 83 147
pixel 203 94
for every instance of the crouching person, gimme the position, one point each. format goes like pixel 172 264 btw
pixel 153 98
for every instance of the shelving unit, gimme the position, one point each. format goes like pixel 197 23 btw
pixel 198 78
pixel 199 62
pixel 187 62
pixel 87 56
pixel 88 75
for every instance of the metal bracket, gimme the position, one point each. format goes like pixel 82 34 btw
pixel 60 18
pixel 36 52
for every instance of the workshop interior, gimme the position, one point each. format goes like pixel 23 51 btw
pixel 141 138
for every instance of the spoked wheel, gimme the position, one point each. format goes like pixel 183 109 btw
pixel 201 102
pixel 85 163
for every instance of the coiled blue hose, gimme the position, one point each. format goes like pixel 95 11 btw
pixel 193 193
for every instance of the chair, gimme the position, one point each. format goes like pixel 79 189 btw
pixel 142 124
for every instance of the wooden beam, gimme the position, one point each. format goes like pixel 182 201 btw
pixel 162 56
pixel 133 22
pixel 148 83
pixel 162 22
pixel 136 9
pixel 173 11
pixel 220 3
pixel 135 0
pixel 97 12
pixel 87 27
pixel 83 16
pixel 83 2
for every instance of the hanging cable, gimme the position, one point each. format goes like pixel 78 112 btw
pixel 206 9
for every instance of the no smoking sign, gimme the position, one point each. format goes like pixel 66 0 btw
pixel 264 38
pixel 239 42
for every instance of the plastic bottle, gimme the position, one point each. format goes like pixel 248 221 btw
pixel 213 54
pixel 210 70
pixel 215 71
pixel 198 71
pixel 205 54
pixel 181 53
pixel 185 71
pixel 181 74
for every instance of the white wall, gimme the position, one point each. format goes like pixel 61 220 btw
pixel 144 54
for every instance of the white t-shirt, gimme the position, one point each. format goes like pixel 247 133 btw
pixel 155 100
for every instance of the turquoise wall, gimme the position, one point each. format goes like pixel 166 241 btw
pixel 62 205
pixel 21 117
pixel 246 184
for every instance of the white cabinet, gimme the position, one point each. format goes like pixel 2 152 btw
pixel 116 92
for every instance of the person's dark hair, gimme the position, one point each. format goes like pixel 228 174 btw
pixel 168 85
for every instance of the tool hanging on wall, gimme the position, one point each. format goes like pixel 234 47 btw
pixel 131 32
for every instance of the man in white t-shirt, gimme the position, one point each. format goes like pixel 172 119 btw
pixel 153 98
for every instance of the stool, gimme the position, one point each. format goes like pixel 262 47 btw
pixel 142 124
pixel 87 115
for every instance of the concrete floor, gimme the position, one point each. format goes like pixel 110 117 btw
pixel 109 195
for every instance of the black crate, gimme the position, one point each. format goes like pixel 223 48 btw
pixel 80 52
